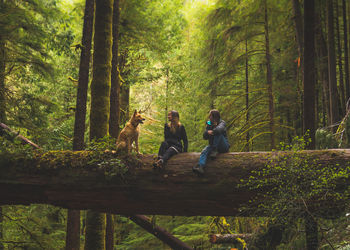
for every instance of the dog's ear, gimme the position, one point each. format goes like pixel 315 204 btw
pixel 134 112
pixel 140 111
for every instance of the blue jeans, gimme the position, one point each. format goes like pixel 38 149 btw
pixel 220 143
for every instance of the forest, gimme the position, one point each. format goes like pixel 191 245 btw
pixel 73 72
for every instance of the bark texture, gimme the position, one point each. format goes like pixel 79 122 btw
pixel 85 180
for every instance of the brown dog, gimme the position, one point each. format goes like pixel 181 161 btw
pixel 130 134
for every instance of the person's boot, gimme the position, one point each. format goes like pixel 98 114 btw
pixel 213 154
pixel 198 169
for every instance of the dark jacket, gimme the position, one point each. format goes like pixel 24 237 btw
pixel 218 129
pixel 175 139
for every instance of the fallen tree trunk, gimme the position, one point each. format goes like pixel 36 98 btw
pixel 17 135
pixel 160 233
pixel 126 186
pixel 229 238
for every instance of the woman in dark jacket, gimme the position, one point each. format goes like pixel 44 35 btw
pixel 174 135
pixel 215 133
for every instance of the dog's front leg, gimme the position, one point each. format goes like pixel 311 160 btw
pixel 137 145
pixel 129 142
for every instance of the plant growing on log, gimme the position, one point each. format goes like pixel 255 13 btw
pixel 296 185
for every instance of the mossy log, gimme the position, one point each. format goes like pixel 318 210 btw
pixel 109 183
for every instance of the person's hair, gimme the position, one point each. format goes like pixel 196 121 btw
pixel 215 114
pixel 175 123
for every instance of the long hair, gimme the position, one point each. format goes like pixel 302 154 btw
pixel 175 123
pixel 215 114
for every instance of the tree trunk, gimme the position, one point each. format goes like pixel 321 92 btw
pixel 95 230
pixel 247 93
pixel 124 103
pixel 346 53
pixel 83 83
pixel 109 232
pixel 298 30
pixel 78 180
pixel 333 92
pixel 73 230
pixel 159 232
pixel 100 105
pixel 309 72
pixel 269 79
pixel 115 77
pixel 101 81
pixel 340 63
pixel 323 67
pixel 73 216
pixel 2 80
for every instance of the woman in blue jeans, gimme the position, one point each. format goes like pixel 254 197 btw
pixel 215 133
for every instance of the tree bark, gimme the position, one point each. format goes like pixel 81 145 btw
pixel 299 30
pixel 269 79
pixel 346 53
pixel 247 93
pixel 340 63
pixel 309 72
pixel 228 238
pixel 100 105
pixel 78 180
pixel 115 77
pixel 2 80
pixel 83 82
pixel 159 232
pixel 109 232
pixel 333 91
pixel 73 230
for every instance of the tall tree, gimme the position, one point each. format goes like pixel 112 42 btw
pixel 309 104
pixel 333 92
pixel 73 216
pixel 115 77
pixel 269 77
pixel 346 52
pixel 340 62
pixel 100 105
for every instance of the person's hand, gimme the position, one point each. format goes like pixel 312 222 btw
pixel 210 132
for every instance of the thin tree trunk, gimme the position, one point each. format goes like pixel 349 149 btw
pixel 73 216
pixel 1 229
pixel 115 77
pixel 247 93
pixel 100 105
pixel 309 72
pixel 109 232
pixel 2 81
pixel 269 79
pixel 346 53
pixel 124 91
pixel 340 62
pixel 333 92
pixel 298 30
pixel 323 68
pixel 83 83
